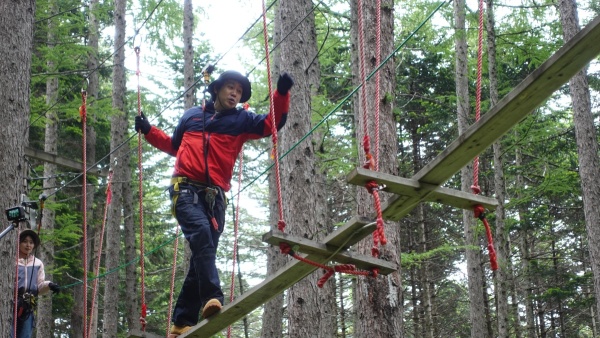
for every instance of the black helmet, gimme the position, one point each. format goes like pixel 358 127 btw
pixel 232 75
pixel 32 234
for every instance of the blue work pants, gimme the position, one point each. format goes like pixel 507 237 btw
pixel 202 281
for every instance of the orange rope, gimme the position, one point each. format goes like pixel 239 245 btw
pixel 83 115
pixel 99 252
pixel 143 311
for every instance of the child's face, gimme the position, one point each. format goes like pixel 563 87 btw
pixel 27 245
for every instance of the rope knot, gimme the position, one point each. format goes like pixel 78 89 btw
pixel 286 249
pixel 479 211
pixel 372 186
pixel 476 189
pixel 375 251
pixel 281 225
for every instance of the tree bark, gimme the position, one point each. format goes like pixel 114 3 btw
pixel 188 55
pixel 379 304
pixel 121 175
pixel 501 239
pixel 311 311
pixel 16 40
pixel 273 313
pixel 587 145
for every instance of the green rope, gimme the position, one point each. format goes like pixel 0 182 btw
pixel 133 261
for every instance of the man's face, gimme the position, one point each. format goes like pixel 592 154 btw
pixel 229 95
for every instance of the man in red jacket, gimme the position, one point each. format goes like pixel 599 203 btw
pixel 206 143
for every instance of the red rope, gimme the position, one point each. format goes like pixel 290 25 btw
pixel 329 270
pixel 143 311
pixel 370 161
pixel 83 115
pixel 16 294
pixel 281 223
pixel 99 252
pixel 235 233
pixel 377 80
pixel 478 209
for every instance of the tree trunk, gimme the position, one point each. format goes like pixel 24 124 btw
pixel 426 287
pixel 16 40
pixel 121 175
pixel 273 313
pixel 188 55
pixel 379 307
pixel 474 270
pixel 45 321
pixel 526 292
pixel 311 311
pixel 500 239
pixel 92 94
pixel 587 145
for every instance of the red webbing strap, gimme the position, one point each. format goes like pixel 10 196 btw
pixel 83 115
pixel 478 209
pixel 143 311
pixel 99 251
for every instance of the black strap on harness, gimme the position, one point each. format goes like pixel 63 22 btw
pixel 210 195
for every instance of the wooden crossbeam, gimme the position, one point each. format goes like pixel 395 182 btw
pixel 331 252
pixel 347 235
pixel 426 192
pixel 514 107
pixel 61 161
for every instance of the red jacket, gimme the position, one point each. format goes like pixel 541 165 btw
pixel 222 133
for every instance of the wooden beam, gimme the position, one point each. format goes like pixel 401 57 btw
pixel 276 283
pixel 61 161
pixel 514 107
pixel 426 192
pixel 331 252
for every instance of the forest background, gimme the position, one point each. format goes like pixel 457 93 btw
pixel 546 284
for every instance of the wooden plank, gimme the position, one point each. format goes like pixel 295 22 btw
pixel 61 161
pixel 331 252
pixel 141 334
pixel 274 284
pixel 528 95
pixel 426 192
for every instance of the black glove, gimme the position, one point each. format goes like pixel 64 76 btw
pixel 142 124
pixel 284 83
pixel 54 287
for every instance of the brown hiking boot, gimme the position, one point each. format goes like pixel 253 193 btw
pixel 177 330
pixel 212 306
